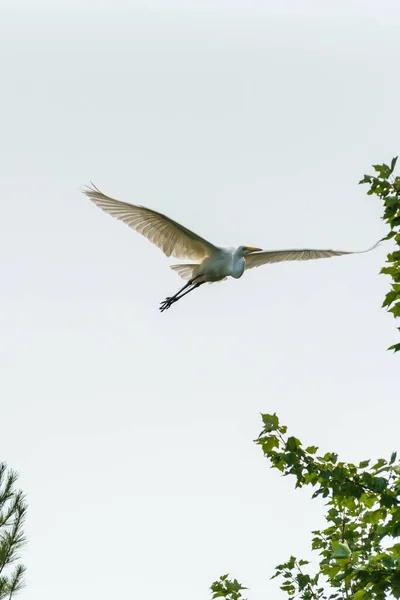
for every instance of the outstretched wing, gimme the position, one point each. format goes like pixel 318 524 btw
pixel 257 259
pixel 173 239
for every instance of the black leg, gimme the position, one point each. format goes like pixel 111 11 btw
pixel 172 298
pixel 179 291
pixel 168 302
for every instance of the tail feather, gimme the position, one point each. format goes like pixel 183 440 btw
pixel 185 271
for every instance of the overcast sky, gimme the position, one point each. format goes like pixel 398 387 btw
pixel 250 123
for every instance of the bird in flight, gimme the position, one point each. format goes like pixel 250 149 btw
pixel 210 263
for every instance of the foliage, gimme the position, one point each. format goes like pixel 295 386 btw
pixel 387 187
pixel 227 588
pixel 359 551
pixel 359 556
pixel 12 538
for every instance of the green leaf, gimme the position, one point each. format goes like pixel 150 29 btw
pixel 364 463
pixel 331 570
pixel 359 595
pixel 395 550
pixel 382 170
pixel 311 449
pixel 395 310
pixel 392 201
pixel 340 550
pixel 290 458
pixel 381 462
pixel 330 457
pixel 394 256
pixel 395 222
pixel 389 236
pixel 390 298
pixel 393 164
pixel 395 347
pixel 293 444
pixel 393 458
pixel 326 474
pixel 375 484
pixel 374 516
pixel 311 478
pixel 388 270
pixel 271 422
pixel 269 443
pixel 302 580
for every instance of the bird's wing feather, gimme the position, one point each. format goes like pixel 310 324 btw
pixel 173 239
pixel 257 259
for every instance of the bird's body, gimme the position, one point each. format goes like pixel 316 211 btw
pixel 210 263
pixel 222 263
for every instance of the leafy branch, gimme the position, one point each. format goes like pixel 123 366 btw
pixel 363 514
pixel 12 538
pixel 387 187
pixel 227 588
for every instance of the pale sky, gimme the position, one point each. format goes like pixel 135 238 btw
pixel 250 123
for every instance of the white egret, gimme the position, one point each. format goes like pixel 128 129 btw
pixel 211 263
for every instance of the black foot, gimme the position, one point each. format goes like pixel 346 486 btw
pixel 165 304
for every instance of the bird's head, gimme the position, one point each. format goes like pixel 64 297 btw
pixel 244 250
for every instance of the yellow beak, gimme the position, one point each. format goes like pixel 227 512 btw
pixel 251 249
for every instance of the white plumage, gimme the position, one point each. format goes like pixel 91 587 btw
pixel 173 239
pixel 212 263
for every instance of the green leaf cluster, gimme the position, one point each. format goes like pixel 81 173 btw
pixel 359 557
pixel 227 588
pixel 387 187
pixel 12 538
